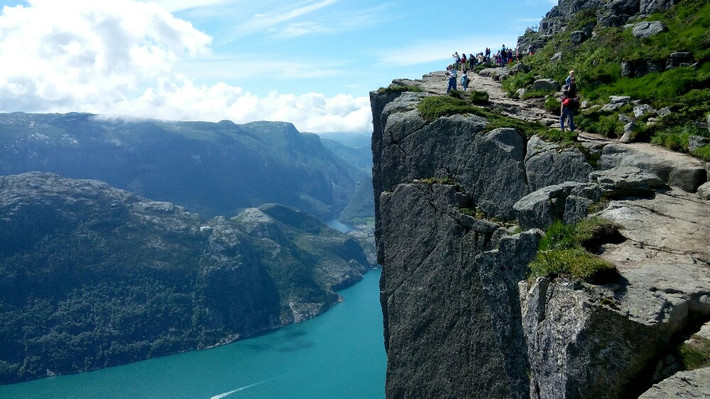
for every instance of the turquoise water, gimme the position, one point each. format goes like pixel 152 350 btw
pixel 339 354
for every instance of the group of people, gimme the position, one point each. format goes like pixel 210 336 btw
pixel 463 63
pixel 569 101
pixel 502 57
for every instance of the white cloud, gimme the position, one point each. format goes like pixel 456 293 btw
pixel 133 58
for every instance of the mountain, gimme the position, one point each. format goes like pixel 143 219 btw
pixel 93 276
pixel 210 168
pixel 520 262
pixel 355 150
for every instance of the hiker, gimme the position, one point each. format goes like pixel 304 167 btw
pixel 503 56
pixel 464 81
pixel 451 74
pixel 570 103
pixel 569 78
pixel 471 60
pixel 464 63
pixel 457 59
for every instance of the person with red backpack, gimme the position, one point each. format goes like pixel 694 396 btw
pixel 570 104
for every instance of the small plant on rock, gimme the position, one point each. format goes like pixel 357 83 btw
pixel 695 353
pixel 479 97
pixel 562 252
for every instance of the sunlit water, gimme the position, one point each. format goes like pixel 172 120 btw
pixel 339 354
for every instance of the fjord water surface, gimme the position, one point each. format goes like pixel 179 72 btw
pixel 339 354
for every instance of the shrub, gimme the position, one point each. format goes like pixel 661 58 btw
pixel 561 253
pixel 574 263
pixel 518 81
pixel 479 97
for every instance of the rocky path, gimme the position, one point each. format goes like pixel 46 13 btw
pixel 530 110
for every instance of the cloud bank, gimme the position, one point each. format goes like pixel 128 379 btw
pixel 127 58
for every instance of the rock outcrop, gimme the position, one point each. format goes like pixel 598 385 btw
pixel 461 318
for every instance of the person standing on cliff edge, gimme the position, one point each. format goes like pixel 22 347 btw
pixel 451 74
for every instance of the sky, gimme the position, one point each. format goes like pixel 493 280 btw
pixel 308 62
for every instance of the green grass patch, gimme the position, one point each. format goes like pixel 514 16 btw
pixel 552 105
pixel 597 63
pixel 696 353
pixel 562 252
pixel 702 153
pixel 536 94
pixel 432 108
pixel 479 97
pixel 395 88
pixel 607 125
pixel 676 138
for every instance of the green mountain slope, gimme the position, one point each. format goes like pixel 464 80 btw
pixel 211 168
pixel 93 276
pixel 669 70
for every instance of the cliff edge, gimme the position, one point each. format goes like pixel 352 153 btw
pixel 460 210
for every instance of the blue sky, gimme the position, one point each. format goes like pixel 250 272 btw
pixel 309 62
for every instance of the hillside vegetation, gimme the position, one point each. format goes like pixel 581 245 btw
pixel 598 61
pixel 92 276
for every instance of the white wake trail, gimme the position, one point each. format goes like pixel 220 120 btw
pixel 223 395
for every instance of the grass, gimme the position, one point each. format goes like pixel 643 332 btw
pixel 696 353
pixel 597 62
pixel 395 88
pixel 479 97
pixel 676 138
pixel 562 252
pixel 438 180
pixel 432 108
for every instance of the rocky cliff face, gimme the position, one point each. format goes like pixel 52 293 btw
pixel 93 276
pixel 461 318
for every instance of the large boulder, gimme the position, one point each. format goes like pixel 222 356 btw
pixel 651 6
pixel 672 168
pixel 704 191
pixel 684 384
pixel 625 181
pixel 547 85
pixel 567 201
pixel 548 164
pixel 646 29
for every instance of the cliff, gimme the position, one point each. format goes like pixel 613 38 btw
pixel 460 211
pixel 93 276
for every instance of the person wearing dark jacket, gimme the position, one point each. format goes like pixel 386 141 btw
pixel 569 104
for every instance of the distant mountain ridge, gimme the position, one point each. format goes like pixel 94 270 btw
pixel 93 276
pixel 210 168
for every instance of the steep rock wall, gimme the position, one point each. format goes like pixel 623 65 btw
pixel 447 292
pixel 461 320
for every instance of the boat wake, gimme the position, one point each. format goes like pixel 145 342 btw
pixel 225 394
